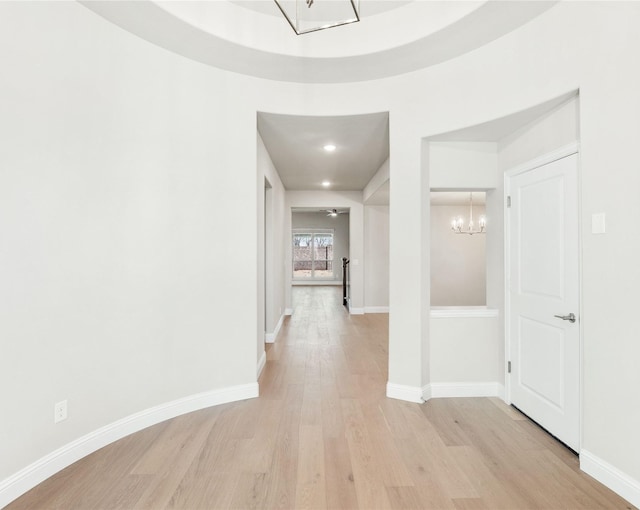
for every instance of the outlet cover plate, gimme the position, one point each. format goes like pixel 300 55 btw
pixel 60 411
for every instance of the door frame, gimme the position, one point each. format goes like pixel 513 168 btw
pixel 550 157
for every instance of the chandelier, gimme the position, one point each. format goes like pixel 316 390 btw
pixel 458 226
pixel 306 16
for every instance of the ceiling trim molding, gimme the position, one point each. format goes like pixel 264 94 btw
pixel 157 25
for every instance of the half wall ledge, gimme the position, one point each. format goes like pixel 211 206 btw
pixel 466 312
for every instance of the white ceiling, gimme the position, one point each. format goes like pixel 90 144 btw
pixel 497 129
pixel 295 144
pixel 386 42
pixel 367 7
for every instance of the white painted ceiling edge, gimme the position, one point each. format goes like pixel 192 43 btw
pixel 393 26
pixel 404 39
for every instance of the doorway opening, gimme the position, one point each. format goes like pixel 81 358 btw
pixel 319 241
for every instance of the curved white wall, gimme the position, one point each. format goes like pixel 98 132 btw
pixel 122 285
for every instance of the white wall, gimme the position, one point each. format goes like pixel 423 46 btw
pixel 458 262
pixel 554 130
pixel 460 165
pixel 376 249
pixel 123 287
pixel 117 158
pixel 462 351
pixel 379 179
pixel 340 226
pixel 465 350
pixel 271 248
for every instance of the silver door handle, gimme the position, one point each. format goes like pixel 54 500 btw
pixel 571 317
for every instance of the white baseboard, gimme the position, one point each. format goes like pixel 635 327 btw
pixel 453 390
pixel 271 337
pixel 444 390
pixel 376 309
pixel 612 477
pixel 288 311
pixel 402 392
pixel 16 485
pixel 261 363
pixel 356 311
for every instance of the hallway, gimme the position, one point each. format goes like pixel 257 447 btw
pixel 323 435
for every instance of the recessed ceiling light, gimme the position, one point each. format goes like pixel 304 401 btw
pixel 326 184
pixel 329 147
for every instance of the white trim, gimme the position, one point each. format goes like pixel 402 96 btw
pixel 270 338
pixel 261 363
pixel 288 311
pixel 506 257
pixel 464 389
pixel 356 311
pixel 313 230
pixel 560 153
pixel 298 282
pixel 376 309
pixel 550 157
pixel 407 393
pixel 24 480
pixel 612 477
pixel 463 312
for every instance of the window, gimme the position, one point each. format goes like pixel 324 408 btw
pixel 313 254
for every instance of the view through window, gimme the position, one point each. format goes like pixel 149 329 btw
pixel 313 254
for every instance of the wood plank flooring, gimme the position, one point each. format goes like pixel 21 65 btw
pixel 323 435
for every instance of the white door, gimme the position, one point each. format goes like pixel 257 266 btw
pixel 543 283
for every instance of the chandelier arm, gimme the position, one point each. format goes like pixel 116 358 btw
pixel 457 224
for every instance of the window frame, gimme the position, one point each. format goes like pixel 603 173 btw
pixel 312 232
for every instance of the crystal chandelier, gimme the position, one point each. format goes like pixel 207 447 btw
pixel 457 224
pixel 306 16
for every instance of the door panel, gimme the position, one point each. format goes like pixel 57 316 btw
pixel 541 270
pixel 541 345
pixel 544 282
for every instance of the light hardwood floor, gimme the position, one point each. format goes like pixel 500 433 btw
pixel 323 435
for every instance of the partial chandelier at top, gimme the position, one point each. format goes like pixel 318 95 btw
pixel 458 226
pixel 307 16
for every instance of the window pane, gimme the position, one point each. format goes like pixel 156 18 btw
pixel 323 269
pixel 302 255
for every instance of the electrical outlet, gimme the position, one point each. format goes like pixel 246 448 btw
pixel 60 411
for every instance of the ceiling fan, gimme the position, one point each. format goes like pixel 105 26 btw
pixel 333 212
